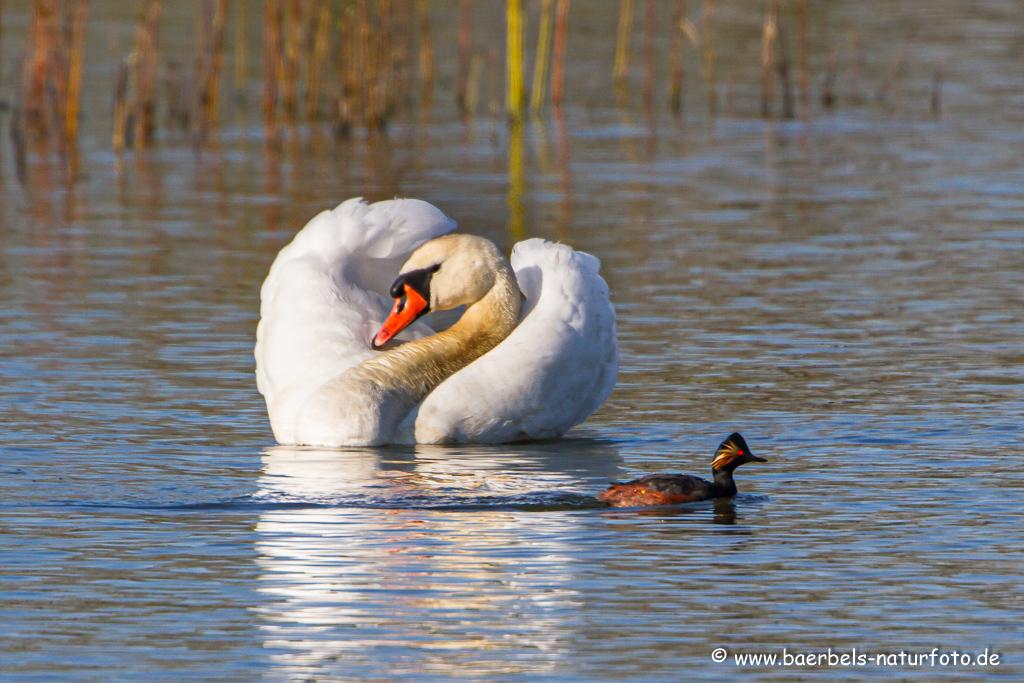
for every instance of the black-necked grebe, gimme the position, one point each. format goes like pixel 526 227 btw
pixel 674 489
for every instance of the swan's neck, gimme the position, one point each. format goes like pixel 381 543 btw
pixel 414 369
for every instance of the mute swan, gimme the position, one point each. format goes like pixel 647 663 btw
pixel 497 375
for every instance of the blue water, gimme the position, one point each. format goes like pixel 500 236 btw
pixel 845 291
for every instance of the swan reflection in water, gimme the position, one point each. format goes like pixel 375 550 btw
pixel 428 559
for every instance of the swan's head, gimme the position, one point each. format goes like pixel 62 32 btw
pixel 445 273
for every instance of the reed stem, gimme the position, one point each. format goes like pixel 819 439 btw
pixel 894 69
pixel 710 57
pixel 292 39
pixel 768 35
pixel 465 48
pixel 540 63
pixel 783 67
pixel 74 69
pixel 271 66
pixel 426 50
pixel 241 55
pixel 649 18
pixel 677 70
pixel 622 44
pixel 852 58
pixel 145 66
pixel 828 88
pixel 316 66
pixel 216 63
pixel 476 70
pixel 803 30
pixel 558 65
pixel 121 104
pixel 515 94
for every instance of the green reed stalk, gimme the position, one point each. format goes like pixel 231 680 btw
pixel 515 94
pixel 540 63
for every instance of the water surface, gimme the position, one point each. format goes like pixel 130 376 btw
pixel 845 290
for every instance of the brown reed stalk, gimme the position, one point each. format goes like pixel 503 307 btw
pixel 145 67
pixel 622 44
pixel 292 41
pixel 272 59
pixel 768 36
pixel 308 19
pixel 893 71
pixel 348 82
pixel 387 97
pixel 39 66
pixel 58 69
pixel 177 109
pixel 558 64
pixel 783 66
pixel 17 133
pixel 465 48
pixel 241 46
pixel 649 18
pixel 710 57
pixel 202 13
pixel 828 88
pixel 316 65
pixel 476 70
pixel 540 62
pixel 364 66
pixel 677 71
pixel 803 38
pixel 121 104
pixel 375 106
pixel 216 62
pixel 426 50
pixel 402 45
pixel 75 69
pixel 494 91
pixel 853 58
pixel 1 22
pixel 730 92
pixel 515 95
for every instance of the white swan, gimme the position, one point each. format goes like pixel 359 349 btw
pixel 495 376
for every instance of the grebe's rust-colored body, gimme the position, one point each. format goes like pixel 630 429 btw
pixel 675 489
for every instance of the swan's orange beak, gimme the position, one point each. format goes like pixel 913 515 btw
pixel 405 311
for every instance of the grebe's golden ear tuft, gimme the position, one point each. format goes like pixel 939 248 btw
pixel 733 451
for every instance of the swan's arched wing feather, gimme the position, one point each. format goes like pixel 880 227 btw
pixel 326 296
pixel 550 374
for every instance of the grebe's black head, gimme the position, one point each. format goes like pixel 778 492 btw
pixel 732 453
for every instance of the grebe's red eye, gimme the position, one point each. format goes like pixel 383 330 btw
pixel 739 452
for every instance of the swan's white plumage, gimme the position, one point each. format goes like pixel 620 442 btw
pixel 550 374
pixel 326 296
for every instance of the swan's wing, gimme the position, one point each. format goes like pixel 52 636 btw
pixel 550 374
pixel 326 296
